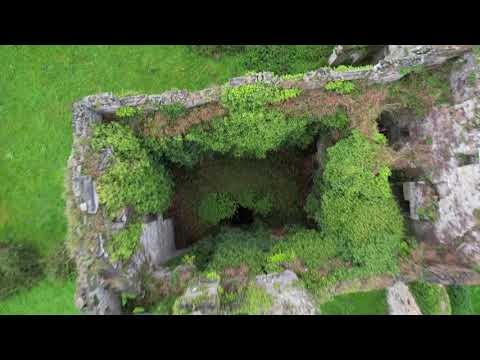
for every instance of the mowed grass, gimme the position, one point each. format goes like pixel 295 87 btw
pixel 47 298
pixel 38 85
pixel 361 303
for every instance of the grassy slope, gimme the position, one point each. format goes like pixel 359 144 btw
pixel 47 298
pixel 361 303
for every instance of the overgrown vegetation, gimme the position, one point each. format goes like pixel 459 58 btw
pixel 250 129
pixel 353 204
pixel 273 188
pixel 340 86
pixel 422 88
pixel 123 244
pixel 132 179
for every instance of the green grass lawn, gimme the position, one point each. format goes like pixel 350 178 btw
pixel 47 298
pixel 361 303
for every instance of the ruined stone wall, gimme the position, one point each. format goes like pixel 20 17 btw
pixel 100 282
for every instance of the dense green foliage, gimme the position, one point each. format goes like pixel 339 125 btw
pixel 232 248
pixel 236 247
pixel 172 111
pixel 19 268
pixel 123 244
pixel 280 59
pixel 216 207
pixel 353 204
pixel 308 246
pixel 250 129
pixel 340 86
pixel 132 179
pixel 460 300
pixel 432 299
pixel 271 188
pixel 361 303
pixel 127 112
pixel 174 150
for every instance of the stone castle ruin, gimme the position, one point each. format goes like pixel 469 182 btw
pixel 443 202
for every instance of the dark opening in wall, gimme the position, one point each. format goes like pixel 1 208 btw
pixel 467 159
pixel 396 133
pixel 243 216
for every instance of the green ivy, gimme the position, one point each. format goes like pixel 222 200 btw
pixel 235 247
pixel 340 86
pixel 250 129
pixel 127 112
pixel 123 244
pixel 172 111
pixel 132 179
pixel 216 207
pixel 353 204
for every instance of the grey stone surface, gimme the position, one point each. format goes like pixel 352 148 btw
pixel 401 301
pixel 84 188
pixel 289 297
pixel 200 298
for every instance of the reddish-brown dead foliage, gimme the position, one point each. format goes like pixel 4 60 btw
pixel 160 125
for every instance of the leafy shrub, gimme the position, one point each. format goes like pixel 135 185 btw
pixel 259 203
pixel 234 248
pixel 216 207
pixel 250 129
pixel 172 111
pixel 19 268
pixel 131 179
pixel 430 297
pixel 353 203
pixel 308 246
pixel 174 149
pixel 340 86
pixel 339 120
pixel 460 300
pixel 250 97
pixel 123 244
pixel 350 68
pixel 127 112
pixel 278 259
